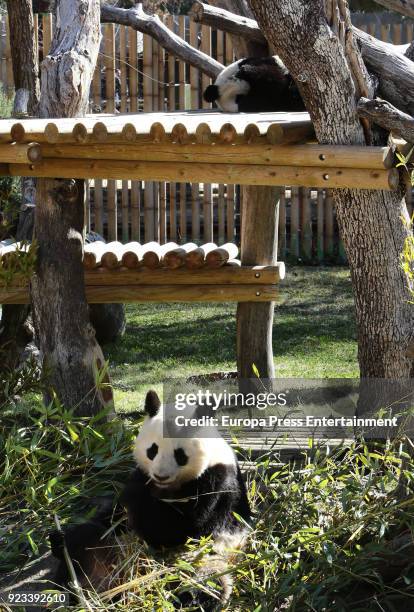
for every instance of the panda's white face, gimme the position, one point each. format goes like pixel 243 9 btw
pixel 170 462
pixel 230 87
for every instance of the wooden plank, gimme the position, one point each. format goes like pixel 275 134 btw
pixel 47 33
pixel 173 212
pixel 109 62
pixel 194 73
pixel 98 225
pixel 230 212
pixel 181 65
pixel 161 293
pixel 171 70
pixel 221 214
pixel 135 210
pixel 320 204
pixel 125 211
pixel 207 213
pixel 123 51
pixel 133 69
pixel 282 225
pixel 195 211
pixel 111 210
pixel 242 174
pixel 329 225
pixel 294 224
pixel 183 212
pixel 96 83
pixel 226 275
pixel 155 75
pixel 147 69
pixel 206 48
pixel 306 224
pixel 163 213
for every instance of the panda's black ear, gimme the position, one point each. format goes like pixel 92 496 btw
pixel 211 93
pixel 152 404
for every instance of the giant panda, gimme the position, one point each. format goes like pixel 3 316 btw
pixel 181 488
pixel 255 85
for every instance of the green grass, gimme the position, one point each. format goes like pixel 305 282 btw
pixel 313 336
pixel 321 539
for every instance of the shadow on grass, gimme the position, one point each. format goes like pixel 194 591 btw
pixel 316 308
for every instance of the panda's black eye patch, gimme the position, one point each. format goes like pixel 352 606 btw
pixel 152 451
pixel 180 456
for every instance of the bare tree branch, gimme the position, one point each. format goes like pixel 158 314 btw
pixel 405 7
pixel 394 70
pixel 228 22
pixel 387 116
pixel 152 25
pixel 225 20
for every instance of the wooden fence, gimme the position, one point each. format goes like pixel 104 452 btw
pixel 134 73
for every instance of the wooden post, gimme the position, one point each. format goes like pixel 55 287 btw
pixel 260 206
pixel 294 223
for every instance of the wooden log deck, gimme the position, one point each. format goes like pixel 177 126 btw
pixel 153 273
pixel 192 146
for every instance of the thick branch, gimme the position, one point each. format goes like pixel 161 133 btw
pixel 225 20
pixel 405 7
pixel 387 116
pixel 394 70
pixel 137 19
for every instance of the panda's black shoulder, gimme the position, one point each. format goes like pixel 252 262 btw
pixel 254 69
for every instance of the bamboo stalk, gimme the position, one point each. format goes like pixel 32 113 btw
pixel 243 174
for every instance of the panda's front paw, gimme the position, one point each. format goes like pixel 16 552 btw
pixel 57 541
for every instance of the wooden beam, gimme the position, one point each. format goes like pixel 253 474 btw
pixel 241 174
pixel 254 153
pixel 159 293
pixel 20 153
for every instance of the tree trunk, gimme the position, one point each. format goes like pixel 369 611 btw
pixel 13 334
pixel 370 222
pixel 23 50
pixel 71 355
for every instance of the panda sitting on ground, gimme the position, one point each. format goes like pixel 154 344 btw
pixel 255 85
pixel 181 488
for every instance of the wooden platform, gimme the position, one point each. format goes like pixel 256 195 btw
pixel 191 146
pixel 168 273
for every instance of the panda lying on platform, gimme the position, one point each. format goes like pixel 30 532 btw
pixel 255 85
pixel 181 488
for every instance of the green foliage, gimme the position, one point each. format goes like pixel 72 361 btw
pixel 50 461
